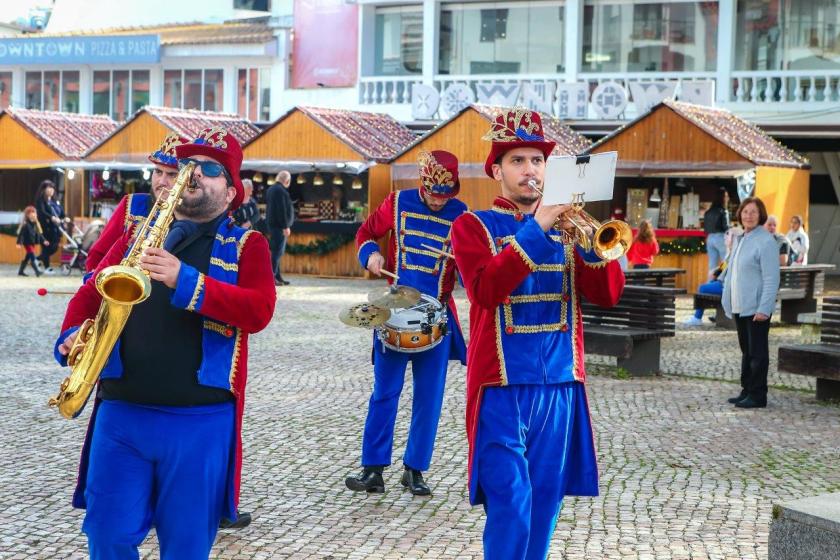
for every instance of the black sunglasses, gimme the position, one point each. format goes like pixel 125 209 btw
pixel 208 168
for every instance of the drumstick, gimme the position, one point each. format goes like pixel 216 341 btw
pixel 44 291
pixel 391 274
pixel 438 251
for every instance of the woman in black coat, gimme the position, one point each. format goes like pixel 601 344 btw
pixel 50 216
pixel 30 235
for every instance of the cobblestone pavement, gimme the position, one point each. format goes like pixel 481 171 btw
pixel 683 474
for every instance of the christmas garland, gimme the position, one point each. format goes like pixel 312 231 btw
pixel 683 246
pixel 322 246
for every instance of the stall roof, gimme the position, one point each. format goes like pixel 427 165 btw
pixel 70 135
pixel 374 136
pixel 568 141
pixel 187 123
pixel 187 33
pixel 740 136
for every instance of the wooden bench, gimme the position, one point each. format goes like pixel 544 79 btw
pixel 819 360
pixel 632 329
pixel 799 287
pixel 662 277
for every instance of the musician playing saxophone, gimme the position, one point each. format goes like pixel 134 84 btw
pixel 530 438
pixel 163 445
pixel 418 221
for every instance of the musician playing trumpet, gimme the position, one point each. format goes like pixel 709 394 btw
pixel 419 222
pixel 530 438
pixel 163 446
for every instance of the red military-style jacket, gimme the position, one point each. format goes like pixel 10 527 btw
pixel 131 209
pixel 524 287
pixel 231 312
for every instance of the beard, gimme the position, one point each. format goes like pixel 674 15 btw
pixel 525 197
pixel 201 205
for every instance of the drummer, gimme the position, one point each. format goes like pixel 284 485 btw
pixel 419 221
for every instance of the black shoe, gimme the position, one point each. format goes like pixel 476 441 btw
pixel 370 480
pixel 22 273
pixel 737 399
pixel 242 521
pixel 749 402
pixel 278 282
pixel 413 480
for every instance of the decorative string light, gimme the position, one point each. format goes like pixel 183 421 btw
pixel 357 184
pixel 106 174
pixel 258 177
pixel 301 180
pixel 337 180
pixel 317 180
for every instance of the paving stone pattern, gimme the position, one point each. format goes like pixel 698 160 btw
pixel 683 474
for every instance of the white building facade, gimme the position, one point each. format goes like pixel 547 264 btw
pixel 755 57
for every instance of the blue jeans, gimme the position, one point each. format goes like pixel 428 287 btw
pixel 277 242
pixel 716 249
pixel 713 287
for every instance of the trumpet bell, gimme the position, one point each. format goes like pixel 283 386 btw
pixel 612 240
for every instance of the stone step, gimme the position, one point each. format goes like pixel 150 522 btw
pixel 806 529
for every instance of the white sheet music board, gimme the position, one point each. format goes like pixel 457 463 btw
pixel 565 176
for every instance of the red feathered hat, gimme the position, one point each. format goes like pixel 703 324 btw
pixel 515 128
pixel 222 146
pixel 439 173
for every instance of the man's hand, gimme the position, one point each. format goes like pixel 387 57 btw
pixel 287 232
pixel 547 215
pixel 246 225
pixel 375 263
pixel 46 243
pixel 64 347
pixel 162 265
pixel 760 317
pixel 55 220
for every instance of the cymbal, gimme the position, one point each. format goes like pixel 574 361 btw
pixel 394 297
pixel 364 315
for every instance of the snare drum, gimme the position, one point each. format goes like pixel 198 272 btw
pixel 416 328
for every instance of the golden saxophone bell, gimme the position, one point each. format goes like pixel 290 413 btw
pixel 122 287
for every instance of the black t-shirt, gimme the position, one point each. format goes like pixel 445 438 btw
pixel 160 346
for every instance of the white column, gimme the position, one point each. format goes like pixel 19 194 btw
pixel 431 33
pixel 573 38
pixel 156 86
pixel 280 79
pixel 727 17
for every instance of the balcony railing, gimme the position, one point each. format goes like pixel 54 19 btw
pixel 785 87
pixel 779 90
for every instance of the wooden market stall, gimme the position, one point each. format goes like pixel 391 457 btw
pixel 339 165
pixel 124 153
pixel 461 135
pixel 673 161
pixel 35 146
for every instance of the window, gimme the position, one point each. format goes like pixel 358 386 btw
pixel 644 36
pixel 787 35
pixel 253 93
pixel 194 89
pixel 5 89
pixel 52 90
pixel 502 38
pixel 119 93
pixel 256 5
pixel 70 91
pixel 398 41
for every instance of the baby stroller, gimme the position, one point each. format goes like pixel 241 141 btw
pixel 74 253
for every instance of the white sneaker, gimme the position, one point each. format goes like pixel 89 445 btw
pixel 693 322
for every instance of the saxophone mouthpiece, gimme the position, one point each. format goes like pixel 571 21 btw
pixel 533 185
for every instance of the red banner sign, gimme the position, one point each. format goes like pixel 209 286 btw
pixel 325 47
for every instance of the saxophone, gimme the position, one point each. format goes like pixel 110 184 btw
pixel 122 287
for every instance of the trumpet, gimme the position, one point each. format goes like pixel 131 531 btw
pixel 610 240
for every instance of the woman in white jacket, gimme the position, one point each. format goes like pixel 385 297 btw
pixel 799 242
pixel 750 285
